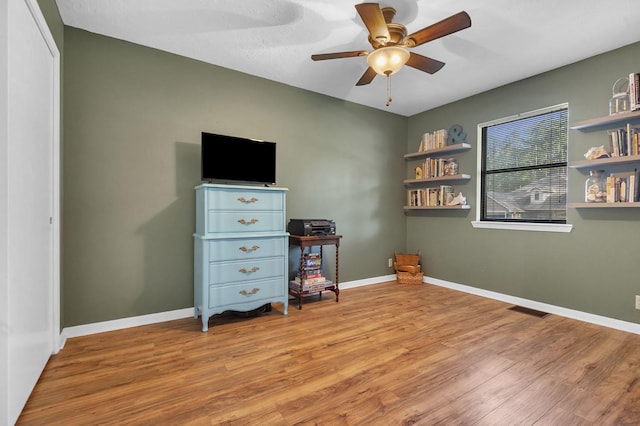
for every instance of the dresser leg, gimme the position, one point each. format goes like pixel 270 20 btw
pixel 205 324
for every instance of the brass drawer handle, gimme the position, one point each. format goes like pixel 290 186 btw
pixel 249 201
pixel 251 222
pixel 247 293
pixel 248 271
pixel 249 249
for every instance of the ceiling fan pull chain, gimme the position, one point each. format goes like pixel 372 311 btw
pixel 388 90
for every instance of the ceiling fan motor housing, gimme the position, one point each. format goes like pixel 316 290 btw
pixel 397 32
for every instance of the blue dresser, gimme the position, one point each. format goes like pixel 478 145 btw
pixel 241 249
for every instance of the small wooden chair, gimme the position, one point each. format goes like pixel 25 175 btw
pixel 408 268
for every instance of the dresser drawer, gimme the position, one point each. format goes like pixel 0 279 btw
pixel 244 248
pixel 256 269
pixel 250 221
pixel 220 207
pixel 245 292
pixel 244 200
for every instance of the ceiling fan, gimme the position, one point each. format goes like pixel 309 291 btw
pixel 390 43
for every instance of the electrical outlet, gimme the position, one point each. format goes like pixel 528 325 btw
pixel 390 264
pixel 637 302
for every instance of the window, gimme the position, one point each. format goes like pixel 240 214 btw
pixel 523 168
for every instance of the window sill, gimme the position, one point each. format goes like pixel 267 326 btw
pixel 544 227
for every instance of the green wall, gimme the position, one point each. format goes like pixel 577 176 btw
pixel 591 269
pixel 132 123
pixel 50 12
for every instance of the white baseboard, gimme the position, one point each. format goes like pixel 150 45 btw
pixel 100 327
pixel 367 281
pixel 532 304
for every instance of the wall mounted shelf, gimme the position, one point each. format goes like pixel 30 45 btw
pixel 603 162
pixel 431 188
pixel 459 207
pixel 438 179
pixel 607 121
pixel 603 205
pixel 438 152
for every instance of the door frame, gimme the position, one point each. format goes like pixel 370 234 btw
pixel 41 23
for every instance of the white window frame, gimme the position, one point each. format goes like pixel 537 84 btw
pixel 514 226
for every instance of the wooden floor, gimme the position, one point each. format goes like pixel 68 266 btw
pixel 386 354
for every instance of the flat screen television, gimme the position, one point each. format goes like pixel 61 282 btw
pixel 232 159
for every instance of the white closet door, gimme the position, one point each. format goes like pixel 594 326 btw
pixel 31 248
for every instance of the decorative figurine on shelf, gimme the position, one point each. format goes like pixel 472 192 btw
pixel 458 200
pixel 619 101
pixel 450 167
pixel 456 134
pixel 596 152
pixel 595 188
pixel 419 172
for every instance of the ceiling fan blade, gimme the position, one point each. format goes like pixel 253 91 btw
pixel 447 26
pixel 424 63
pixel 367 77
pixel 373 19
pixel 352 54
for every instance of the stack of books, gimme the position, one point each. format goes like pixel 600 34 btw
pixel 622 187
pixel 434 140
pixel 313 280
pixel 624 141
pixel 430 197
pixel 437 167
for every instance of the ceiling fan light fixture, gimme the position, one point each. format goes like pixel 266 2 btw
pixel 388 60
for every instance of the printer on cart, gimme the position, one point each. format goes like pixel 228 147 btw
pixel 311 227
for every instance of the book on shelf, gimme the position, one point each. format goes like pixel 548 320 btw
pixel 310 286
pixel 430 197
pixel 634 91
pixel 312 260
pixel 416 197
pixel 622 187
pixel 611 194
pixel 444 195
pixel 434 140
pixel 434 167
pixel 316 279
pixel 433 196
pixel 624 141
pixel 633 135
pixel 313 273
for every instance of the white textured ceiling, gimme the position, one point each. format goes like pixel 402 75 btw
pixel 508 40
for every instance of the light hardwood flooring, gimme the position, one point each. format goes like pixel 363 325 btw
pixel 386 354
